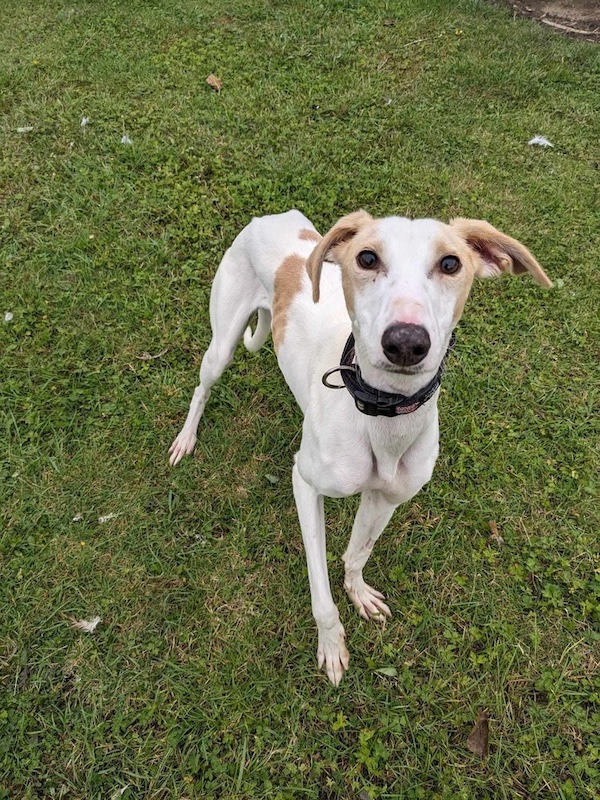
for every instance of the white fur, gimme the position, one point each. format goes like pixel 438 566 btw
pixel 343 452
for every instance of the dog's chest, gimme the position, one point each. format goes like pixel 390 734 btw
pixel 386 455
pixel 365 461
pixel 385 468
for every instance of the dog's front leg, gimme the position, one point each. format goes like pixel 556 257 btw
pixel 373 515
pixel 186 438
pixel 331 652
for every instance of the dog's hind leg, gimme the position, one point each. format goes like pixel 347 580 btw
pixel 236 294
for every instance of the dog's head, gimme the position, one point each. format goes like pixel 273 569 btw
pixel 406 281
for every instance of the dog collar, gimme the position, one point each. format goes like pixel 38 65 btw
pixel 376 402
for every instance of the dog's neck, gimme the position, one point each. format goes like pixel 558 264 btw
pixel 391 436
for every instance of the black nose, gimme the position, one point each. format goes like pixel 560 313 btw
pixel 405 344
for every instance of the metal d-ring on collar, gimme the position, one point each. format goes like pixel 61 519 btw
pixel 341 368
pixel 376 402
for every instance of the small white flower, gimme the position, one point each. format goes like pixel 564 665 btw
pixel 8 315
pixel 85 121
pixel 125 139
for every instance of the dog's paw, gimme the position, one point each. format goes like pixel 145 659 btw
pixel 367 601
pixel 333 654
pixel 182 446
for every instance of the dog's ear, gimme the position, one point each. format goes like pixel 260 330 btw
pixel 344 229
pixel 498 253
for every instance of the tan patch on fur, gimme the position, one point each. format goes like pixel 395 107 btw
pixel 344 229
pixel 497 252
pixel 451 244
pixel 353 277
pixel 459 306
pixel 309 235
pixel 288 282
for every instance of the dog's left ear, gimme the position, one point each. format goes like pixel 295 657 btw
pixel 344 229
pixel 498 253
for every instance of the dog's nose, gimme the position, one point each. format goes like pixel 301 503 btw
pixel 405 344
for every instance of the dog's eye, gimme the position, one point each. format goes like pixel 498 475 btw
pixel 367 259
pixel 449 265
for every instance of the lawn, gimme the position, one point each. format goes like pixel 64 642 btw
pixel 201 679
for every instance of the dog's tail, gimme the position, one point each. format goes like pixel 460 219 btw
pixel 254 341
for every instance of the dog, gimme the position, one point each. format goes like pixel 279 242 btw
pixel 362 320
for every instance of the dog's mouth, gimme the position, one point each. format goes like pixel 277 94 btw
pixel 404 370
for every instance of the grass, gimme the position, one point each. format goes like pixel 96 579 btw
pixel 201 680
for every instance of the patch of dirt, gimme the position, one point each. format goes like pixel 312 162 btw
pixel 577 18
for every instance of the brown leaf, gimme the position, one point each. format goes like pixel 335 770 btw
pixel 147 357
pixel 477 740
pixel 495 537
pixel 214 82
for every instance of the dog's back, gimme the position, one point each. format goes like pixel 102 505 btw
pixel 264 271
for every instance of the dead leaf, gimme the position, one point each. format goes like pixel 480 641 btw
pixel 477 740
pixel 214 82
pixel 495 537
pixel 390 672
pixel 147 357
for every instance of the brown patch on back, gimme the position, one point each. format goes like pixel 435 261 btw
pixel 288 282
pixel 309 235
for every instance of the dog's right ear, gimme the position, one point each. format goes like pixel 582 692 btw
pixel 344 229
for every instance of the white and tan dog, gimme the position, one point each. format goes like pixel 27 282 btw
pixel 399 286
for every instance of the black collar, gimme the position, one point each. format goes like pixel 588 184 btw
pixel 375 402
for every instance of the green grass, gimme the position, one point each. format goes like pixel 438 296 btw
pixel 201 680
